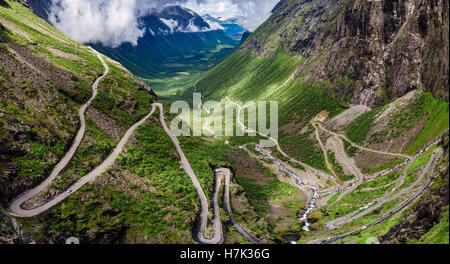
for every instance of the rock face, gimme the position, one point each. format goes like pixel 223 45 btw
pixel 3 3
pixel 369 51
pixel 11 231
pixel 245 36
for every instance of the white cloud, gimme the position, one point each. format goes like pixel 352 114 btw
pixel 213 25
pixel 251 13
pixel 113 22
pixel 216 8
pixel 110 22
pixel 191 27
pixel 254 12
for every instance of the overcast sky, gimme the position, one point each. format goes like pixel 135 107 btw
pixel 113 22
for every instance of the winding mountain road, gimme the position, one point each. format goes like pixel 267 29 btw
pixel 227 203
pixel 15 206
pixel 199 236
pixel 364 148
pixel 306 166
pixel 391 196
pixel 357 172
pixel 199 233
pixel 388 197
pixel 437 154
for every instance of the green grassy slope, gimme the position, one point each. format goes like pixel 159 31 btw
pixel 433 112
pixel 246 76
pixel 38 118
pixel 145 198
pixel 49 103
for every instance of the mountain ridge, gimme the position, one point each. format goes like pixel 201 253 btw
pixel 357 169
pixel 173 37
pixel 380 68
pixel 370 38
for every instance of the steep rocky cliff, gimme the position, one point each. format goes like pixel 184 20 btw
pixel 383 49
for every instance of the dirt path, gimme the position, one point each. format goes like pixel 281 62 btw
pixel 364 148
pixel 324 201
pixel 356 171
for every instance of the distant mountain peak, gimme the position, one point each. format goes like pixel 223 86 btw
pixel 177 10
pixel 180 19
pixel 231 26
pixel 209 17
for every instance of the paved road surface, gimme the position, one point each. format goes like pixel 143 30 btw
pixel 437 154
pixel 339 221
pixel 306 166
pixel 385 199
pixel 217 237
pixel 227 203
pixel 337 185
pixel 16 209
pixel 15 206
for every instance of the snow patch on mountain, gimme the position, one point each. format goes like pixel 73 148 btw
pixel 171 23
pixel 191 27
pixel 213 24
